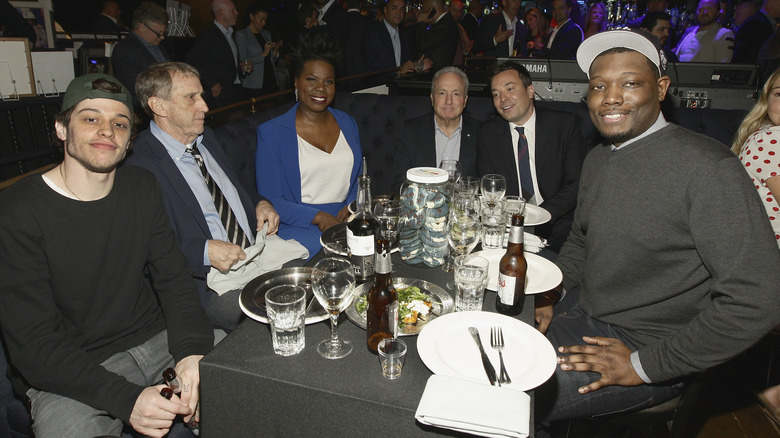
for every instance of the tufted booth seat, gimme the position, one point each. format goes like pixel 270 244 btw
pixel 380 119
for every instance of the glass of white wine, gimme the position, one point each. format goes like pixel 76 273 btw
pixel 333 282
pixel 463 233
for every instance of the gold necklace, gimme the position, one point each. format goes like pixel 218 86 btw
pixel 66 184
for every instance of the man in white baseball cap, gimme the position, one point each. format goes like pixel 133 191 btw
pixel 669 251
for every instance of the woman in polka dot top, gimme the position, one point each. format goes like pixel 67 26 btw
pixel 757 144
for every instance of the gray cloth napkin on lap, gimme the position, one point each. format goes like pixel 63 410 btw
pixel 474 408
pixel 268 253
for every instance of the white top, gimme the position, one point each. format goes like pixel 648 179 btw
pixel 325 176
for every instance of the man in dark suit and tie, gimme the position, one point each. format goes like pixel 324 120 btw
pixel 215 56
pixel 444 134
pixel 210 237
pixel 539 152
pixel 436 34
pixel 386 46
pixel 141 48
pixel 502 35
pixel 567 36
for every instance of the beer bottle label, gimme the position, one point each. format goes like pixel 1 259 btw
pixel 506 289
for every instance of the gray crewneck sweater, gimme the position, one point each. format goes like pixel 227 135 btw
pixel 670 245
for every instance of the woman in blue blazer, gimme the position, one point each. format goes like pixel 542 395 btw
pixel 309 129
pixel 254 42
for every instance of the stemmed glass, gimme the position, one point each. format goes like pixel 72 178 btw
pixel 463 231
pixel 388 212
pixel 453 169
pixel 333 282
pixel 493 188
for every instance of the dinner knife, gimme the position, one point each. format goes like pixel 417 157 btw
pixel 489 370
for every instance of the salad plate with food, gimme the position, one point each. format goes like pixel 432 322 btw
pixel 419 302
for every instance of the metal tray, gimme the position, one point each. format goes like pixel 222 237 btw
pixel 252 299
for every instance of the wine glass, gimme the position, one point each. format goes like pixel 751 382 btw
pixel 463 233
pixel 333 282
pixel 388 212
pixel 453 169
pixel 493 188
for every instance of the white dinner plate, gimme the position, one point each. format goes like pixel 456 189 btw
pixel 542 274
pixel 446 348
pixel 535 215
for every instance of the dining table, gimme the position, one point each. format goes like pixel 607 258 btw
pixel 248 391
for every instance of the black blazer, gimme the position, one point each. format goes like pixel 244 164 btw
pixel 105 24
pixel 417 146
pixel 470 24
pixel 129 58
pixel 559 153
pixel 378 48
pixel 750 37
pixel 336 24
pixel 183 209
pixel 438 41
pixel 354 61
pixel 566 42
pixel 212 56
pixel 487 30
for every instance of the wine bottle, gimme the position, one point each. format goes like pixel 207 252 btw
pixel 382 311
pixel 362 230
pixel 512 268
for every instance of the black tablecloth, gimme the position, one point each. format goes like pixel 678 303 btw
pixel 248 391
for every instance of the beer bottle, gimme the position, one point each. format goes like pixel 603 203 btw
pixel 510 295
pixel 169 375
pixel 382 311
pixel 362 230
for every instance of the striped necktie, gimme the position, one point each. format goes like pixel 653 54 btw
pixel 524 164
pixel 235 233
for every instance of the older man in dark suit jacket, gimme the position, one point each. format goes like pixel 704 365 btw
pixel 215 56
pixel 539 152
pixel 163 149
pixel 141 48
pixel 754 32
pixel 444 134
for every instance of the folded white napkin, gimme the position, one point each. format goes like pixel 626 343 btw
pixel 474 408
pixel 531 242
pixel 268 253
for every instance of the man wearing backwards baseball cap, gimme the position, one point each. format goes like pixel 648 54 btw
pixel 87 336
pixel 670 266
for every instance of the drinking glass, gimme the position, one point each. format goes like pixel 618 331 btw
pixel 388 212
pixel 286 308
pixel 247 66
pixel 471 278
pixel 513 205
pixel 333 282
pixel 493 188
pixel 463 234
pixel 493 227
pixel 467 184
pixel 453 169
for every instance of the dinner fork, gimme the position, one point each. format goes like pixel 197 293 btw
pixel 497 342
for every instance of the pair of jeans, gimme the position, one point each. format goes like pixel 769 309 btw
pixel 558 398
pixel 57 416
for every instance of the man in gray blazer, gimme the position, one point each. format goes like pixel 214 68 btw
pixel 444 134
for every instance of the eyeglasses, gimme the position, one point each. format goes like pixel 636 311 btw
pixel 159 34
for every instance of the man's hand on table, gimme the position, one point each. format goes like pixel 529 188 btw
pixel 153 414
pixel 607 356
pixel 223 255
pixel 266 212
pixel 188 374
pixel 543 314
